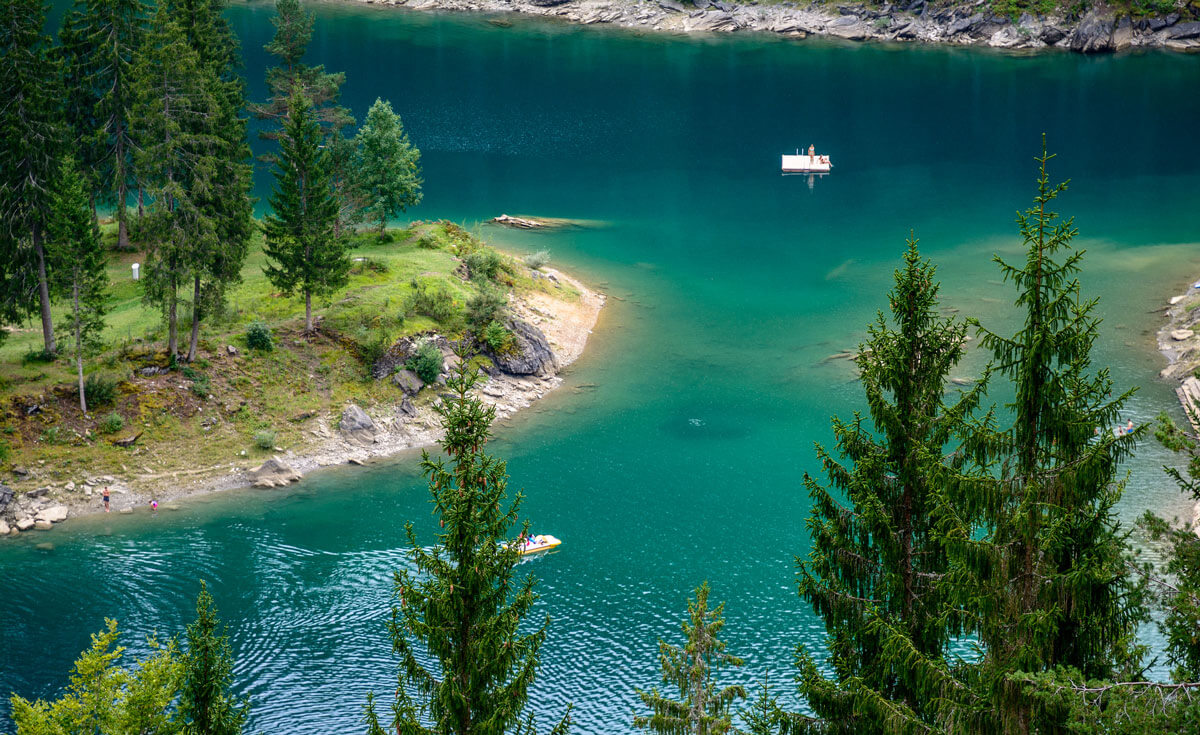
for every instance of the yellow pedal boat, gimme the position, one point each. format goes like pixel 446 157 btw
pixel 537 543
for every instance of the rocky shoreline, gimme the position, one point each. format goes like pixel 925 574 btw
pixel 1179 342
pixel 552 334
pixel 1100 30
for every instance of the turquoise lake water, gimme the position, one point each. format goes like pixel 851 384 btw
pixel 675 451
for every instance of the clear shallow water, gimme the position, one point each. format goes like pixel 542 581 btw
pixel 675 451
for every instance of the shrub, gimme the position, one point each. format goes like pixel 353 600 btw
pixel 258 337
pixel 427 362
pixel 373 347
pixel 264 439
pixel 483 264
pixel 496 337
pixel 431 300
pixel 538 259
pixel 101 390
pixel 369 265
pixel 38 356
pixel 427 242
pixel 200 386
pixel 5 452
pixel 489 305
pixel 52 435
pixel 111 423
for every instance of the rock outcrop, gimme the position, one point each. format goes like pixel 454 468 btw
pixel 407 381
pixel 273 473
pixel 531 353
pixel 53 514
pixel 1094 34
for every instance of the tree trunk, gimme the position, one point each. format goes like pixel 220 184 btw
pixel 122 192
pixel 79 345
pixel 308 312
pixel 141 207
pixel 44 293
pixel 172 322
pixel 191 355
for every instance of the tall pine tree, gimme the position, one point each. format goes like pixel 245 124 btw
pixel 206 706
pixel 293 32
pixel 175 98
pixel 216 264
pixel 701 709
pixel 464 602
pixel 388 170
pixel 302 247
pixel 1038 560
pixel 30 137
pixel 875 560
pixel 78 266
pixel 99 39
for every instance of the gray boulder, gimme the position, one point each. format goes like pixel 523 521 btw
pixel 531 354
pixel 1051 35
pixel 407 381
pixel 357 426
pixel 38 493
pixel 1185 30
pixel 6 496
pixel 24 524
pixel 671 5
pixel 407 409
pixel 4 529
pixel 273 473
pixel 964 25
pixel 53 514
pixel 1094 34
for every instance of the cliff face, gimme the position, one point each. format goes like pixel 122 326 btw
pixel 1102 29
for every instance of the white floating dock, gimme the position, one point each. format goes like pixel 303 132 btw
pixel 806 163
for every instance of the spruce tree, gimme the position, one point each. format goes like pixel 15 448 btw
pixel 216 264
pixel 293 32
pixel 701 709
pixel 343 176
pixel 302 247
pixel 1038 560
pixel 463 601
pixel 875 560
pixel 99 39
pixel 78 266
pixel 387 165
pixel 30 137
pixel 206 706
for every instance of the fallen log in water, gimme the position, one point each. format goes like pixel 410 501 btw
pixel 519 222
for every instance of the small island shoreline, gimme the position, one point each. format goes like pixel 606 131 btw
pixel 1100 30
pixel 395 427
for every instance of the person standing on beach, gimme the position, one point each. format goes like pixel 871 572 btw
pixel 105 496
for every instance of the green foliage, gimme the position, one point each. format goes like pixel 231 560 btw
pixel 293 32
pixel 101 389
pixel 303 250
pixel 427 362
pixel 5 452
pixel 876 561
pixel 432 300
pixel 387 165
pixel 497 337
pixel 52 435
pixel 111 423
pixel 99 39
pixel 538 260
pixel 488 305
pixel 77 266
pixel 483 264
pixel 700 709
pixel 461 600
pixel 258 336
pixel 206 706
pixel 102 697
pixel 373 347
pixel 265 439
pixel 201 386
pixel 34 355
pixel 30 133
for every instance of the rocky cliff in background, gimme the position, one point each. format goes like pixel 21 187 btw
pixel 1102 29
